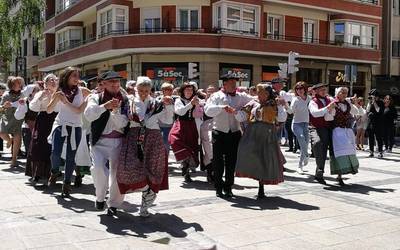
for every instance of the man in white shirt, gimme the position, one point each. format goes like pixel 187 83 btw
pixel 320 129
pixel 283 99
pixel 222 106
pixel 107 111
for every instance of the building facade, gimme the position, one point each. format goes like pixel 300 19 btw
pixel 173 40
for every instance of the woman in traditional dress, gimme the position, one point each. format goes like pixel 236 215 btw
pixel 361 123
pixel 259 154
pixel 344 159
pixel 69 102
pixel 10 127
pixel 143 163
pixel 184 134
pixel 39 154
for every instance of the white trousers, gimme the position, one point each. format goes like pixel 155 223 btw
pixel 104 178
pixel 206 141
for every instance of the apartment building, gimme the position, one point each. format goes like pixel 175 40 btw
pixel 174 40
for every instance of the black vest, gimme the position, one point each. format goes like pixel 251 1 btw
pixel 98 126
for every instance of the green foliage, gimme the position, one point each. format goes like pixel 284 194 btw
pixel 17 17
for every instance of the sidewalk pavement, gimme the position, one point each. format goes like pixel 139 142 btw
pixel 298 214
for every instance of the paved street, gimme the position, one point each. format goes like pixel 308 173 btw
pixel 298 214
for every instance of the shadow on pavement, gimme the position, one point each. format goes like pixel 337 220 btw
pixel 269 203
pixel 128 224
pixel 358 188
pixel 15 170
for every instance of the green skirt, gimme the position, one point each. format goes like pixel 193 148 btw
pixel 347 164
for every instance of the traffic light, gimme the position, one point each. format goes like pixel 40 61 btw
pixel 293 62
pixel 193 71
pixel 283 69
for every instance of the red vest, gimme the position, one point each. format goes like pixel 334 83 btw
pixel 319 122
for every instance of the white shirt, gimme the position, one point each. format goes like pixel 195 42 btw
pixel 299 107
pixel 315 111
pixel 224 121
pixel 37 104
pixel 93 111
pixel 182 106
pixel 152 122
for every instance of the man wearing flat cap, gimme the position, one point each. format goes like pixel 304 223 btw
pixel 375 110
pixel 320 129
pixel 108 113
pixel 222 106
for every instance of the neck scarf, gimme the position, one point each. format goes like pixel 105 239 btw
pixel 70 93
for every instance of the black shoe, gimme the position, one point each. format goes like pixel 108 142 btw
pixel 320 180
pixel 112 211
pixel 261 196
pixel 228 193
pixel 380 156
pixel 289 150
pixel 219 193
pixel 78 181
pixel 99 205
pixel 371 155
pixel 188 179
pixel 340 181
pixel 66 190
pixel 210 176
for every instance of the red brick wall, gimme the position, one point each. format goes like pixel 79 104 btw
pixel 293 28
pixel 168 17
pixel 134 20
pixel 323 31
pixel 206 18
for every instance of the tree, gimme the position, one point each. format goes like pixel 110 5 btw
pixel 16 18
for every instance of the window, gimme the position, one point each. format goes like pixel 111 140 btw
pixel 188 19
pixel 69 38
pixel 309 30
pixel 396 48
pixel 105 22
pixel 113 20
pixel 396 7
pixel 62 5
pixel 243 19
pixel 151 20
pixel 35 47
pixel 354 37
pixel 339 33
pixel 25 47
pixel 274 27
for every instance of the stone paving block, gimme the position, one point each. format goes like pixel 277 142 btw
pixel 327 223
pixel 295 243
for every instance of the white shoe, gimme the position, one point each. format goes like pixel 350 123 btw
pixel 300 170
pixel 305 162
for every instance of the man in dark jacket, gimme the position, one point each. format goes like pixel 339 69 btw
pixel 375 129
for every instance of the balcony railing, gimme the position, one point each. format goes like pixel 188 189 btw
pixel 369 1
pixel 308 40
pixel 305 40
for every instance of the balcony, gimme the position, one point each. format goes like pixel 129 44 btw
pixel 181 40
pixel 313 41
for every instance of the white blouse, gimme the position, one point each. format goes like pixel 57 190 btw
pixel 39 105
pixel 150 122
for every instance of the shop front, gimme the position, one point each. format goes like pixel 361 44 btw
pixel 269 73
pixel 242 71
pixel 337 79
pixel 310 76
pixel 175 72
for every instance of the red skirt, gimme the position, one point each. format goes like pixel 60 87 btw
pixel 184 140
pixel 133 174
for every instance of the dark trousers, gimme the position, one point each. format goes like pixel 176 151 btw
pixel 293 144
pixel 321 139
pixel 375 132
pixel 388 137
pixel 26 138
pixel 225 146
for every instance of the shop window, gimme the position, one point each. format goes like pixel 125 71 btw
pixel 396 48
pixel 310 76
